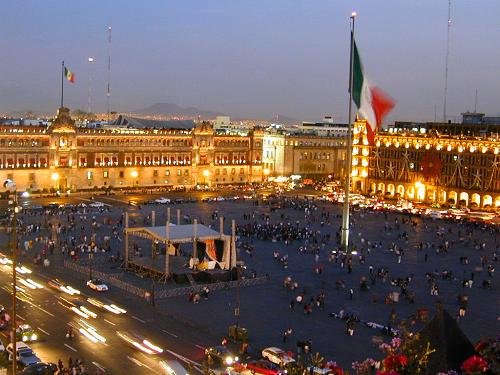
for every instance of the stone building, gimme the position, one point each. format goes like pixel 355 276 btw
pixel 64 157
pixel 307 155
pixel 453 164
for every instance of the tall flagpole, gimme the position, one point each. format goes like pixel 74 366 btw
pixel 108 94
pixel 446 62
pixel 62 85
pixel 347 188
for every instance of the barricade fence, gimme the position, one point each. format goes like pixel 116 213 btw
pixel 163 293
pixel 110 279
pixel 184 291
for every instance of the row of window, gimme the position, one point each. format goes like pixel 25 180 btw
pixel 134 174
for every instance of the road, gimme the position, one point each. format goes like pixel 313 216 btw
pixel 43 310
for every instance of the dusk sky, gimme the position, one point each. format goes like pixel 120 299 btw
pixel 250 58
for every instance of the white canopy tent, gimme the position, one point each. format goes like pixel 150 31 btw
pixel 186 233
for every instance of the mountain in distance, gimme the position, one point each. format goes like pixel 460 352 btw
pixel 176 110
pixel 282 119
pixel 170 109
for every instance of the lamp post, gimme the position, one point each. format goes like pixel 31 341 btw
pixel 11 188
pixel 91 260
pixel 55 178
pixel 91 61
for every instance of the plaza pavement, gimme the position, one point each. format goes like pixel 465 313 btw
pixel 265 309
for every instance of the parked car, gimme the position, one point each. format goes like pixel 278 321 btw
pixel 262 366
pixel 97 204
pixel 222 355
pixel 162 200
pixel 41 368
pixel 25 355
pixel 97 284
pixel 277 356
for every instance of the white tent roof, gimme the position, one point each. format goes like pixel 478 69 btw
pixel 178 233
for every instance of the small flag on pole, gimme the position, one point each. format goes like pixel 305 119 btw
pixel 70 76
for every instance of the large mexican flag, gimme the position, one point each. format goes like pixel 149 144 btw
pixel 373 104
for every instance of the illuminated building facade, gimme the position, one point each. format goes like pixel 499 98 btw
pixel 453 164
pixel 64 157
pixel 310 156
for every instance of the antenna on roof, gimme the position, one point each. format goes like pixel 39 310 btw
pixel 475 102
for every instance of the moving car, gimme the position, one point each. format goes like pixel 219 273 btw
pixel 140 343
pixel 26 333
pixel 41 368
pixel 60 286
pixel 97 284
pixel 277 356
pixel 111 307
pixel 172 367
pixel 222 355
pixel 262 366
pixel 25 355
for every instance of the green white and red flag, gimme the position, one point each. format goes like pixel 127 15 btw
pixel 373 103
pixel 70 76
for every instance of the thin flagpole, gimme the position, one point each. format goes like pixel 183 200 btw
pixel 62 84
pixel 347 188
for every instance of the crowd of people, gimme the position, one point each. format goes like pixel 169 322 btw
pixel 395 260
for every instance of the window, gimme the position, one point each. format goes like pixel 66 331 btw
pixel 167 172
pixel 122 174
pixel 89 175
pixel 179 172
pixel 155 173
pixel 105 174
pixel 233 170
pixel 242 170
pixel 186 172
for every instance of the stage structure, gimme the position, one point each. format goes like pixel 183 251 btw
pixel 211 250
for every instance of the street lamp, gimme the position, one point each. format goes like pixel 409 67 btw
pixel 11 188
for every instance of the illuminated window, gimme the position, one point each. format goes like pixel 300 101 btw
pixel 89 175
pixel 167 172
pixel 105 174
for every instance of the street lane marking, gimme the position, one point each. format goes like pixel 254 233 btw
pixel 182 358
pixel 70 347
pixel 170 333
pixel 20 317
pixel 45 311
pixel 139 319
pixel 99 366
pixel 44 331
pixel 140 364
pixel 107 321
